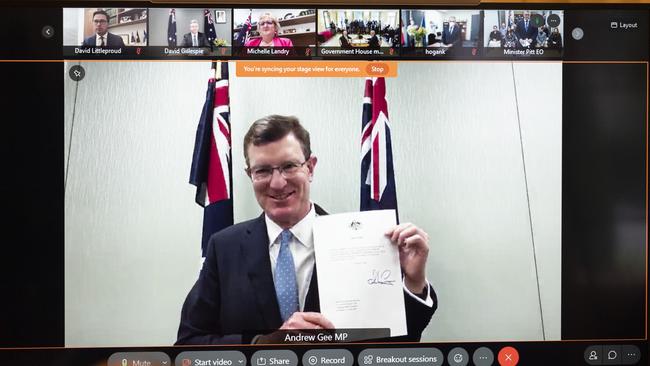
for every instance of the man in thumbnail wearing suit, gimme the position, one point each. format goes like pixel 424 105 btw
pixel 260 275
pixel 373 41
pixel 526 31
pixel 195 38
pixel 451 34
pixel 102 38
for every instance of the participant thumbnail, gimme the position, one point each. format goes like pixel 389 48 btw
pixel 191 31
pixel 358 32
pixel 440 32
pixel 523 32
pixel 274 31
pixel 105 27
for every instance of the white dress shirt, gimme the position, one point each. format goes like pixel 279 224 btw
pixel 302 250
pixel 98 41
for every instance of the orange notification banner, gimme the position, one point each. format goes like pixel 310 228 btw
pixel 329 69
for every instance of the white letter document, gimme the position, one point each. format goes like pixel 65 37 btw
pixel 359 276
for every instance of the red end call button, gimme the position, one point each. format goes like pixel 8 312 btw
pixel 508 356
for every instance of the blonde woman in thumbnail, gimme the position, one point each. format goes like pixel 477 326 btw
pixel 269 27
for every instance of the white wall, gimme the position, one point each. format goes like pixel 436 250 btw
pixel 240 15
pixel 132 229
pixel 73 29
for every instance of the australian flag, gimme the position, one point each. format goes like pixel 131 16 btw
pixel 244 32
pixel 208 25
pixel 211 163
pixel 377 174
pixel 171 28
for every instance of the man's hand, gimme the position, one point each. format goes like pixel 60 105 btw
pixel 413 244
pixel 307 320
pixel 297 321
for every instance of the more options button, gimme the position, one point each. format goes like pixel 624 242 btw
pixel 327 357
pixel 630 354
pixel 211 358
pixel 401 357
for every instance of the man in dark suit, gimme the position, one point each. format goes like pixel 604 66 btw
pixel 451 34
pixel 260 276
pixel 195 38
pixel 102 38
pixel 526 31
pixel 373 41
pixel 344 40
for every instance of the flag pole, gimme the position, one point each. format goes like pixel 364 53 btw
pixel 216 67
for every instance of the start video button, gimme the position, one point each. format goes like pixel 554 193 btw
pixel 211 358
pixel 401 357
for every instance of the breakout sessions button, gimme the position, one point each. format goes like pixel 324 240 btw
pixel 328 357
pixel 401 356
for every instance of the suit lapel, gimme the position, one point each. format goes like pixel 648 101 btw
pixel 255 254
pixel 312 301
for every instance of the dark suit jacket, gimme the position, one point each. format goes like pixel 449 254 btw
pixel 373 42
pixel 452 38
pixel 234 298
pixel 200 37
pixel 112 41
pixel 522 32
pixel 345 42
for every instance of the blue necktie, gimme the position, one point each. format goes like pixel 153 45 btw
pixel 286 287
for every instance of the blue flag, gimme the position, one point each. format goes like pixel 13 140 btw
pixel 377 174
pixel 208 26
pixel 242 37
pixel 171 28
pixel 211 170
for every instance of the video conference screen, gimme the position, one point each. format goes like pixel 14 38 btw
pixel 314 184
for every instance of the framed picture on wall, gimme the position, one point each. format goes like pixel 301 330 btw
pixel 220 16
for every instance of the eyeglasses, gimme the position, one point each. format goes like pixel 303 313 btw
pixel 100 21
pixel 267 22
pixel 264 173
